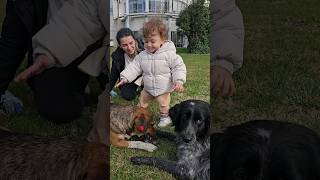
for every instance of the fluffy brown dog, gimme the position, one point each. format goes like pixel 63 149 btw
pixel 24 156
pixel 129 121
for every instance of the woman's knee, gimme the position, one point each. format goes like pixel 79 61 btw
pixel 60 110
pixel 59 116
pixel 129 96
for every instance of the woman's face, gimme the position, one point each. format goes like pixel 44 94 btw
pixel 128 44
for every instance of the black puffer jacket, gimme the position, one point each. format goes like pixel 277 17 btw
pixel 118 64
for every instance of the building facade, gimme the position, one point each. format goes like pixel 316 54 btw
pixel 133 13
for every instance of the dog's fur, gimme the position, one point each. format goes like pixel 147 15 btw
pixel 191 119
pixel 266 150
pixel 125 121
pixel 24 156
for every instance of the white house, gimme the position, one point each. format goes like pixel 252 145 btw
pixel 133 13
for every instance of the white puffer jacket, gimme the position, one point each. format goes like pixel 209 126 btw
pixel 159 70
pixel 227 35
pixel 72 26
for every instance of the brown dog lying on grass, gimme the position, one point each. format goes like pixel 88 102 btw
pixel 24 156
pixel 128 122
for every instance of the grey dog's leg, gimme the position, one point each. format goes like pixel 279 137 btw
pixel 167 135
pixel 177 170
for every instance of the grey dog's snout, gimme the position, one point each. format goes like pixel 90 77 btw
pixel 188 134
pixel 187 139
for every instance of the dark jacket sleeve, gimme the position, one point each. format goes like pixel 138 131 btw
pixel 114 76
pixel 117 56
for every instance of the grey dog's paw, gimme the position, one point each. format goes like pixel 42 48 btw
pixel 139 160
pixel 136 160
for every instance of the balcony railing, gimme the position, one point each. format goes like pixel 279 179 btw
pixel 150 7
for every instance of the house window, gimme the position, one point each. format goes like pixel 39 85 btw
pixel 177 38
pixel 178 6
pixel 180 39
pixel 159 6
pixel 174 37
pixel 111 8
pixel 136 6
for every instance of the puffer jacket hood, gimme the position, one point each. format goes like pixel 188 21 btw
pixel 166 46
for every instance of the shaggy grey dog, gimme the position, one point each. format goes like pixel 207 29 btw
pixel 191 119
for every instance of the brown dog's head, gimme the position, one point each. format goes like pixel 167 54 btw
pixel 142 123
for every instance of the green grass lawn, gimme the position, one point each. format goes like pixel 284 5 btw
pixel 280 77
pixel 197 87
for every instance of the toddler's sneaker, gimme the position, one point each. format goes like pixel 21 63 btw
pixel 164 121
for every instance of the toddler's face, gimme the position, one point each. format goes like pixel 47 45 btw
pixel 153 42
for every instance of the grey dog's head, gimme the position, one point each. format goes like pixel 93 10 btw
pixel 191 119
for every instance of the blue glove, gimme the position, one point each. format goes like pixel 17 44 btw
pixel 113 93
pixel 10 103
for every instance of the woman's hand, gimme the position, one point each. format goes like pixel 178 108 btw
pixel 41 63
pixel 122 81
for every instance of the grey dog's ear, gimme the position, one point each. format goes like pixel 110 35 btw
pixel 174 113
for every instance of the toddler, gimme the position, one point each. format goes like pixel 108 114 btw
pixel 163 71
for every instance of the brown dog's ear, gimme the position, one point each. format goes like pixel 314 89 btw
pixel 174 113
pixel 136 113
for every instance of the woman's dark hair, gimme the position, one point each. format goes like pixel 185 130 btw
pixel 124 32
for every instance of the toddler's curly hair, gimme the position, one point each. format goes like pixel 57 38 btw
pixel 155 25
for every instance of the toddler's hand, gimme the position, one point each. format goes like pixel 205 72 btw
pixel 122 81
pixel 178 87
pixel 221 82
